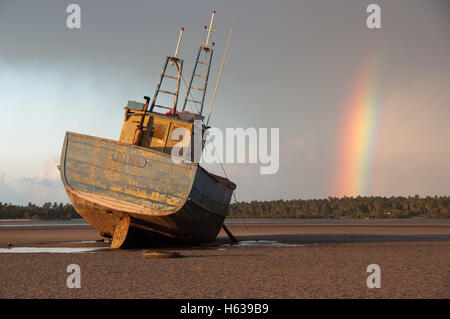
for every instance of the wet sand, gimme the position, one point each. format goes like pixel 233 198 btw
pixel 312 260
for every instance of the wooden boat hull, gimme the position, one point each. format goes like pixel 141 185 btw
pixel 107 181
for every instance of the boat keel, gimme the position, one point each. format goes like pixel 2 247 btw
pixel 121 232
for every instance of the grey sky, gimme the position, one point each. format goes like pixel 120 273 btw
pixel 291 64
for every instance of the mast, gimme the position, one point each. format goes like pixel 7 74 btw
pixel 170 61
pixel 204 58
pixel 179 41
pixel 139 132
pixel 220 74
pixel 209 29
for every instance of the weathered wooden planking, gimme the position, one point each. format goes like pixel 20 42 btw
pixel 157 130
pixel 191 224
pixel 90 164
pixel 211 194
pixel 107 181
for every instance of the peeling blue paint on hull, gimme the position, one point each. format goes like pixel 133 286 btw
pixel 108 180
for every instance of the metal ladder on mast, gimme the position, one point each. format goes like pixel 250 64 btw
pixel 204 57
pixel 170 61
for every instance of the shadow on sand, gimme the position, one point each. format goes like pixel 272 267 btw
pixel 302 239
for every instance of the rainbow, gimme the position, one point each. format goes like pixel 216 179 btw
pixel 357 137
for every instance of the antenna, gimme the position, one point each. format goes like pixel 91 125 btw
pixel 210 26
pixel 171 60
pixel 220 74
pixel 178 44
pixel 201 76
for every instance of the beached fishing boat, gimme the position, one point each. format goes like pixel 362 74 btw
pixel 132 190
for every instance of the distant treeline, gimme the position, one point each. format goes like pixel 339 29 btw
pixel 346 207
pixel 47 211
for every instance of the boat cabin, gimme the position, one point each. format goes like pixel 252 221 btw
pixel 157 128
pixel 144 127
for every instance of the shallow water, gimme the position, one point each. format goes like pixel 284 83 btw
pixel 73 222
pixel 260 243
pixel 399 221
pixel 338 221
pixel 51 250
pixel 84 242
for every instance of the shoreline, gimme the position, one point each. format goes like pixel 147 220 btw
pixel 48 233
pixel 271 261
pixel 262 219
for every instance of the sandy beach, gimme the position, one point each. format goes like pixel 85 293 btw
pixel 311 259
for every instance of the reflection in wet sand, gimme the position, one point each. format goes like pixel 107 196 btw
pixel 260 243
pixel 57 250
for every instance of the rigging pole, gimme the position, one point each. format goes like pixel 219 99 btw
pixel 204 57
pixel 220 74
pixel 171 60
